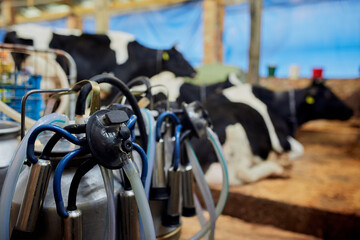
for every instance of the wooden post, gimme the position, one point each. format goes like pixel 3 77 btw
pixel 220 30
pixel 213 27
pixel 254 48
pixel 101 16
pixel 74 22
pixel 30 3
pixel 7 13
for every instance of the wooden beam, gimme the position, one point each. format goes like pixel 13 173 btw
pixel 82 11
pixel 114 7
pixel 254 48
pixel 74 22
pixel 45 16
pixel 145 4
pixel 231 2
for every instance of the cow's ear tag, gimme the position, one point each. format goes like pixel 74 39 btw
pixel 310 100
pixel 165 56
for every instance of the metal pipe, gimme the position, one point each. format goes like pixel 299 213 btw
pixel 23 104
pixel 70 61
pixel 28 49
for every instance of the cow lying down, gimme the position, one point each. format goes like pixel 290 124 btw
pixel 252 122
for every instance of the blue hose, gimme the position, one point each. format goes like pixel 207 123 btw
pixel 31 142
pixel 57 180
pixel 144 162
pixel 176 157
pixel 131 122
pixel 161 118
pixel 131 125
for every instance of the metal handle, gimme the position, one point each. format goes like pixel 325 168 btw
pixel 23 104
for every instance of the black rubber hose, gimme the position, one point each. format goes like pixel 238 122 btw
pixel 75 182
pixel 139 81
pixel 184 135
pixel 135 82
pixel 107 78
pixel 74 128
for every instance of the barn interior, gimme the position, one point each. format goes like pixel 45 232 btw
pixel 284 46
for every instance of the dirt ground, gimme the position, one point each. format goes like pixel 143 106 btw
pixel 326 176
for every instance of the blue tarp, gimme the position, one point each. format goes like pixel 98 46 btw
pixel 307 33
pixel 2 34
pixel 312 33
pixel 181 25
pixel 59 23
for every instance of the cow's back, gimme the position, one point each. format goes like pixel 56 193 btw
pixel 91 53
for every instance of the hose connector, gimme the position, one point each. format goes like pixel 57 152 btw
pixel 34 196
pixel 188 205
pixel 73 226
pixel 159 189
pixel 128 216
pixel 172 217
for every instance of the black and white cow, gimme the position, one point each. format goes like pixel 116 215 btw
pixel 94 54
pixel 252 122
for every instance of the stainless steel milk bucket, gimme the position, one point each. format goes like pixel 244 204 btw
pixel 9 140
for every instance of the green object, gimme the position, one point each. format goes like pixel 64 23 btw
pixel 215 73
pixel 271 71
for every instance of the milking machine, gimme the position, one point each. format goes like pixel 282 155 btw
pixel 116 173
pixel 9 132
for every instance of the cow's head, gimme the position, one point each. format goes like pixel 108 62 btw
pixel 174 61
pixel 149 61
pixel 319 102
